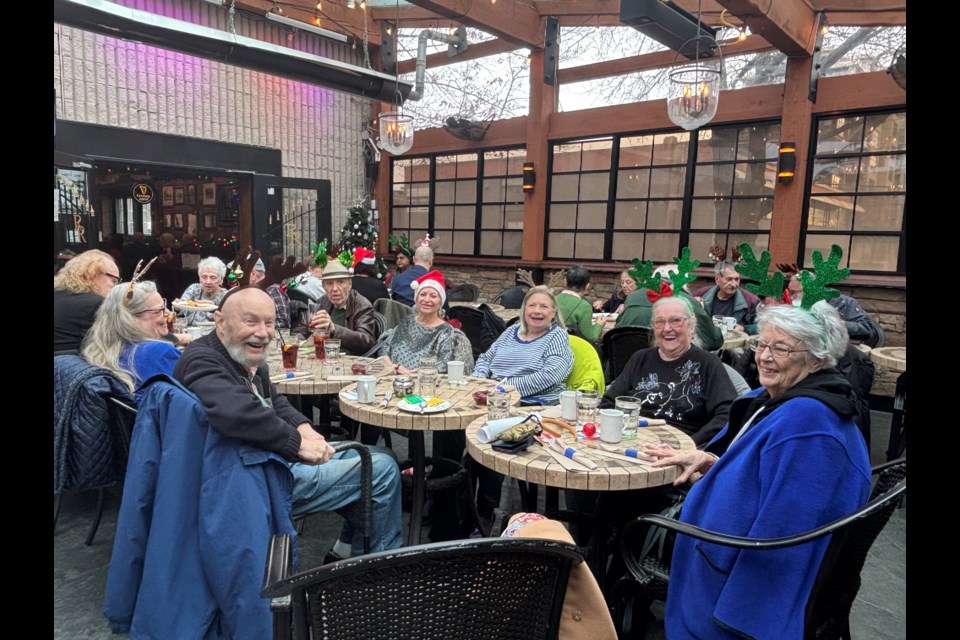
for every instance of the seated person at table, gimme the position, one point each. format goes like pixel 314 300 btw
pixel 422 264
pixel 227 370
pixel 756 479
pixel 576 312
pixel 638 307
pixel 211 272
pixel 858 323
pixel 281 279
pixel 727 298
pixel 129 336
pixel 425 333
pixel 626 286
pixel 534 356
pixel 366 280
pixel 676 380
pixel 346 314
pixel 78 290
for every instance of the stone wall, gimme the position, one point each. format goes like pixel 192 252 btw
pixel 886 306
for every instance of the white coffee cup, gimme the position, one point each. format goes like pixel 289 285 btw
pixel 366 389
pixel 729 322
pixel 455 371
pixel 568 405
pixel 196 332
pixel 611 425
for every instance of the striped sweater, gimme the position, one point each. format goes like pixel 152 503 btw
pixel 538 368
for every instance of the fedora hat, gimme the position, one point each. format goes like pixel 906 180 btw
pixel 335 270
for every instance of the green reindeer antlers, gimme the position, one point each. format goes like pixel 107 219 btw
pixel 345 258
pixel 825 272
pixel 770 286
pixel 642 273
pixel 685 267
pixel 319 252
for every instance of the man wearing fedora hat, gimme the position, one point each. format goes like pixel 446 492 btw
pixel 346 314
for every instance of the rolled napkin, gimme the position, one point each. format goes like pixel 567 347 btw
pixel 349 395
pixel 493 428
pixel 651 422
pixel 627 452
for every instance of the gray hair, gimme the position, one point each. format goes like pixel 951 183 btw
pixel 722 266
pixel 558 319
pixel 423 254
pixel 820 329
pixel 214 264
pixel 688 309
pixel 115 327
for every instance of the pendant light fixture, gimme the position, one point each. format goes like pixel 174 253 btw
pixel 396 127
pixel 694 89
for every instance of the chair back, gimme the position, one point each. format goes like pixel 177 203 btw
pixel 838 580
pixel 482 326
pixel 463 293
pixel 512 297
pixel 392 311
pixel 587 373
pixel 458 590
pixel 619 344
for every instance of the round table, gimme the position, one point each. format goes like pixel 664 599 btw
pixel 321 380
pixel 476 305
pixel 894 358
pixel 462 412
pixel 735 339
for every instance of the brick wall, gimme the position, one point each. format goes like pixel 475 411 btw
pixel 106 81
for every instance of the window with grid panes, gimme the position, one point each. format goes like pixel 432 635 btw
pixel 471 202
pixel 857 195
pixel 579 197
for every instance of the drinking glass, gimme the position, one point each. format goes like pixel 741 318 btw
pixel 289 355
pixel 427 375
pixel 498 405
pixel 631 413
pixel 331 350
pixel 587 402
pixel 319 337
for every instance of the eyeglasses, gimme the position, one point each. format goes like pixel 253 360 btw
pixel 777 350
pixel 116 279
pixel 154 312
pixel 674 322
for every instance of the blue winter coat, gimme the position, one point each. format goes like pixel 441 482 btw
pixel 196 517
pixel 85 455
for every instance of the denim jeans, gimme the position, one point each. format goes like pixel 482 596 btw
pixel 335 486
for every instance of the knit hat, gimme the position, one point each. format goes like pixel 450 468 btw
pixel 364 255
pixel 434 280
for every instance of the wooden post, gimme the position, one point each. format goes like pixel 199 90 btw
pixel 543 100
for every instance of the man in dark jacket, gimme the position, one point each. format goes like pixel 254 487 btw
pixel 346 314
pixel 227 371
pixel 727 298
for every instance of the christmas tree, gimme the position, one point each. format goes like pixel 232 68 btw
pixel 359 231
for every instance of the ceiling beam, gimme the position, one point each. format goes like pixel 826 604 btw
pixel 789 25
pixel 474 51
pixel 655 60
pixel 334 16
pixel 511 20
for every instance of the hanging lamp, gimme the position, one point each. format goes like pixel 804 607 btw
pixel 694 89
pixel 396 131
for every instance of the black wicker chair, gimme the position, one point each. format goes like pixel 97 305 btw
pixel 462 590
pixel 619 344
pixel 838 579
pixel 463 293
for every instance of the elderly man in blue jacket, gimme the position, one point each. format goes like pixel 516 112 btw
pixel 727 298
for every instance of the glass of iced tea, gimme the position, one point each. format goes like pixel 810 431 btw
pixel 319 338
pixel 289 354
pixel 171 318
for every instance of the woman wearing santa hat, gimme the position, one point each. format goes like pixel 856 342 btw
pixel 425 333
pixel 366 280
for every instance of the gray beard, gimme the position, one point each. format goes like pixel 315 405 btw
pixel 239 355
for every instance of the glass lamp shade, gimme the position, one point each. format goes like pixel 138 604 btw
pixel 396 132
pixel 694 95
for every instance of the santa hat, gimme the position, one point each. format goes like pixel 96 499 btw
pixel 434 280
pixel 364 255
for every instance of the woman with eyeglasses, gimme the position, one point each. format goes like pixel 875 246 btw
pixel 129 335
pixel 78 291
pixel 676 380
pixel 211 272
pixel 790 460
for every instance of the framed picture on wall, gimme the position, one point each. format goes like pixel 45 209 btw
pixel 229 203
pixel 167 219
pixel 168 196
pixel 191 194
pixel 178 195
pixel 178 220
pixel 210 193
pixel 192 223
pixel 210 220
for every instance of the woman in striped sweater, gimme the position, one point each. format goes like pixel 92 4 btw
pixel 534 356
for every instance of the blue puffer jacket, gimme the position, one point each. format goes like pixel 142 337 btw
pixel 85 455
pixel 196 517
